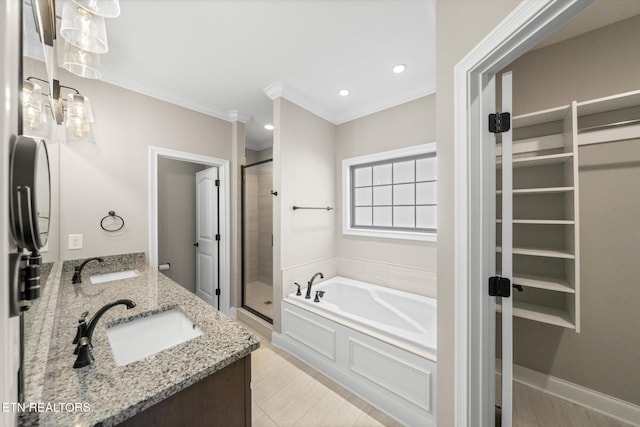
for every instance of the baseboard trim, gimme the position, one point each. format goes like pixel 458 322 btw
pixel 610 406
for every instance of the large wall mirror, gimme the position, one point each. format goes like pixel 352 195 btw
pixel 34 73
pixel 36 157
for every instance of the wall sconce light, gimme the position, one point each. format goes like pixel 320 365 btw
pixel 34 116
pixel 83 29
pixel 74 111
pixel 104 8
pixel 79 118
pixel 81 62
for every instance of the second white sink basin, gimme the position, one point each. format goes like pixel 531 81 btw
pixel 110 277
pixel 145 336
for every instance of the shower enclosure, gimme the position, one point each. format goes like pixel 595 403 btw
pixel 257 239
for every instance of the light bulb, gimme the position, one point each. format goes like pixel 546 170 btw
pixel 104 8
pixel 81 62
pixel 83 29
pixel 32 106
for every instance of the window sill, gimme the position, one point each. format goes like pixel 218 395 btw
pixel 403 235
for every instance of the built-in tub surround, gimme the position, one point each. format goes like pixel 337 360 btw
pixel 116 393
pixel 401 316
pixel 380 343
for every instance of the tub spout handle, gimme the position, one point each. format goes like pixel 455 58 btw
pixel 298 293
pixel 319 294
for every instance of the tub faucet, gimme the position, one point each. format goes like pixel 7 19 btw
pixel 310 282
pixel 86 333
pixel 77 273
pixel 319 294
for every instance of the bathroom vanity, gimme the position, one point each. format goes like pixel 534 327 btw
pixel 203 381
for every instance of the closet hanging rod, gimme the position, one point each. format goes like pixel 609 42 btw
pixel 295 208
pixel 609 126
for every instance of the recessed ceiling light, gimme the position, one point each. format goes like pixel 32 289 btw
pixel 268 126
pixel 344 92
pixel 399 68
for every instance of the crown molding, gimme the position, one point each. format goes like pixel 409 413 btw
pixel 280 90
pixel 274 90
pixel 235 116
pixel 259 146
pixel 166 97
pixel 388 101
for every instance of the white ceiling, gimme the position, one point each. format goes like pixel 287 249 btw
pixel 218 57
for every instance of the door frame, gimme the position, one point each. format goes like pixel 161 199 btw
pixel 155 153
pixel 243 169
pixel 474 98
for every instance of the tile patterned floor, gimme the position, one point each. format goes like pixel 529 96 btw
pixel 286 392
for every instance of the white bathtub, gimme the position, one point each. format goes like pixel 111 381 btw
pixel 400 316
pixel 379 343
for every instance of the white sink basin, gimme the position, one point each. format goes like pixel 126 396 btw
pixel 110 277
pixel 145 336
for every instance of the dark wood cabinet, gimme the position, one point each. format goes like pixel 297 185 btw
pixel 222 399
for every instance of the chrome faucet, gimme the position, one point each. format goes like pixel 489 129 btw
pixel 77 273
pixel 310 282
pixel 85 332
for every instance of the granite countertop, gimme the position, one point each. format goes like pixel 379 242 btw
pixel 116 393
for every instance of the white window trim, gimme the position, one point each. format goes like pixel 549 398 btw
pixel 346 193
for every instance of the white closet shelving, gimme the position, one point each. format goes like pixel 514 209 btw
pixel 546 223
pixel 612 118
pixel 545 217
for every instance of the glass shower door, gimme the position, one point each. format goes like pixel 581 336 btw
pixel 257 239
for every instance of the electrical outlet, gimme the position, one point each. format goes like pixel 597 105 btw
pixel 75 241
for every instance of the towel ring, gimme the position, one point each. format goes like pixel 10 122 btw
pixel 112 214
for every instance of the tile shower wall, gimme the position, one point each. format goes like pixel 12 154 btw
pixel 258 225
pixel 265 228
pixel 251 226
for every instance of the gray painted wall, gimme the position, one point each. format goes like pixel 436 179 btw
pixel 605 355
pixel 177 219
pixel 253 156
pixel 112 174
pixel 402 126
pixel 460 25
pixel 304 175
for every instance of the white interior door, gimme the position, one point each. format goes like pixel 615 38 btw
pixel 507 258
pixel 207 236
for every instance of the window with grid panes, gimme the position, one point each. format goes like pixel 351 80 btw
pixel 396 196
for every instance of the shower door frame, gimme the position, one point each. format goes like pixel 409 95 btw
pixel 242 240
